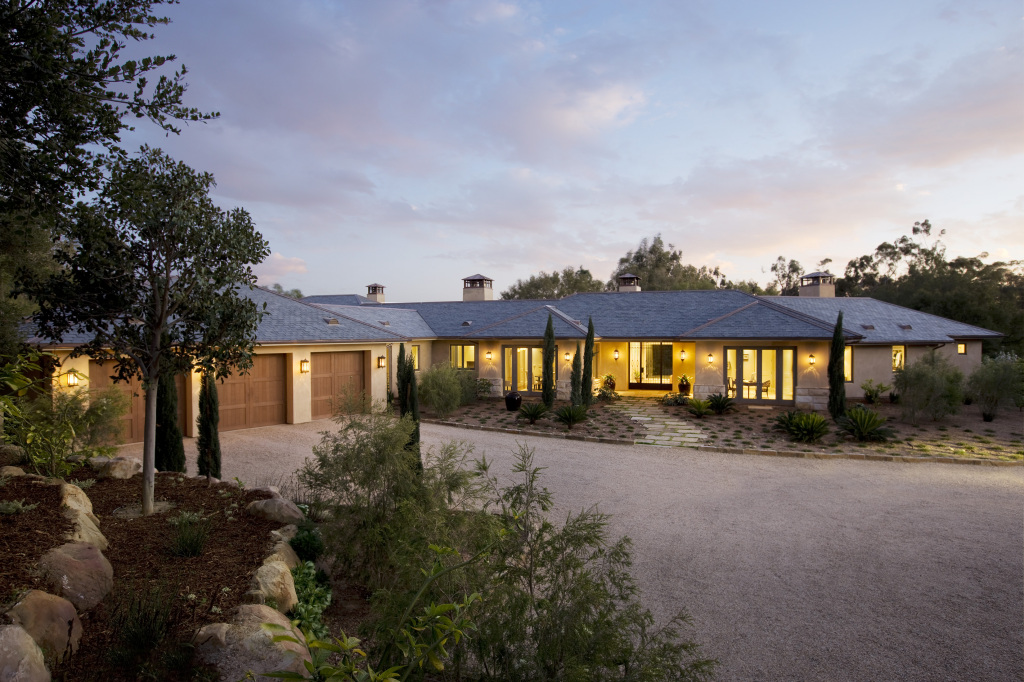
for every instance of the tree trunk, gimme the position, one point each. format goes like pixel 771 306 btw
pixel 149 450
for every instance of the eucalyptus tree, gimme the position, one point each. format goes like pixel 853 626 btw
pixel 154 275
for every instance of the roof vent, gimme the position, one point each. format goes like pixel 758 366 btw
pixel 331 320
pixel 467 323
pixel 384 323
pixel 905 326
pixel 869 327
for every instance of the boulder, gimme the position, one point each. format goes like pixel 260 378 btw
pixel 11 472
pixel 21 659
pixel 213 481
pixel 120 467
pixel 274 491
pixel 11 454
pixel 244 645
pixel 275 581
pixel 84 529
pixel 79 572
pixel 73 497
pixel 284 553
pixel 51 621
pixel 98 463
pixel 285 533
pixel 276 509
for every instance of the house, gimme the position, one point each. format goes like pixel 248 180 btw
pixel 760 350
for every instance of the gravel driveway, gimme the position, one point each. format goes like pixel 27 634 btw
pixel 791 569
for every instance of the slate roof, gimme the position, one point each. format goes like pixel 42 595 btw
pixel 402 321
pixel 758 320
pixel 448 318
pixel 339 299
pixel 887 319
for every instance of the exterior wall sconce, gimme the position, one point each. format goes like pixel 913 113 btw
pixel 711 358
pixel 810 359
pixel 567 356
pixel 380 361
pixel 72 379
pixel 303 366
pixel 682 355
pixel 488 355
pixel 616 354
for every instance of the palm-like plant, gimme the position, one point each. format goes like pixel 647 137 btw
pixel 532 411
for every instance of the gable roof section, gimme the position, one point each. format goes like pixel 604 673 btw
pixel 447 318
pixel 879 322
pixel 756 320
pixel 402 321
pixel 531 325
pixel 339 299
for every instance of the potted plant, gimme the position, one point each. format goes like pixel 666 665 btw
pixel 684 384
pixel 608 381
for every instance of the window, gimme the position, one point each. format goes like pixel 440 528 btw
pixel 961 349
pixel 415 352
pixel 898 357
pixel 848 364
pixel 463 357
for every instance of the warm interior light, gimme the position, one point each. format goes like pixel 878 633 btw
pixel 616 354
pixel 304 366
pixel 810 358
pixel 682 355
pixel 380 361
pixel 488 355
pixel 567 356
pixel 72 379
pixel 711 358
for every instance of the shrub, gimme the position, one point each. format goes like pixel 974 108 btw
pixel 607 395
pixel 208 437
pixel 675 399
pixel 440 387
pixel 144 619
pixel 469 386
pixel 864 424
pixel 930 387
pixel 312 589
pixel 699 408
pixel 836 370
pixel 803 427
pixel 873 392
pixel 11 507
pixel 532 411
pixel 191 530
pixel 570 415
pixel 996 381
pixel 483 388
pixel 170 448
pixel 308 543
pixel 720 404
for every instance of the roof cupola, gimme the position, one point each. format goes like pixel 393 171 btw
pixel 818 285
pixel 477 288
pixel 629 282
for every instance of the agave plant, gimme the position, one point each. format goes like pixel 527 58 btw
pixel 699 408
pixel 720 404
pixel 533 411
pixel 803 427
pixel 570 415
pixel 864 424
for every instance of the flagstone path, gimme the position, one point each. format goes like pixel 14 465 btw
pixel 661 428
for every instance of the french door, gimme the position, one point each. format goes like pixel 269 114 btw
pixel 650 365
pixel 524 368
pixel 760 375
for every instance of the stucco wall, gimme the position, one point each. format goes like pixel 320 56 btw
pixel 875 362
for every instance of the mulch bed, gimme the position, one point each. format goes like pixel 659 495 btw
pixel 602 421
pixel 27 536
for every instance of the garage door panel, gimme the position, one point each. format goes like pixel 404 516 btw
pixel 333 374
pixel 258 398
pixel 133 423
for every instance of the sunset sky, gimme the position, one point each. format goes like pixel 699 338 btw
pixel 415 143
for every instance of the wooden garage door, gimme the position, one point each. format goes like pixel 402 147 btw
pixel 332 374
pixel 259 398
pixel 133 424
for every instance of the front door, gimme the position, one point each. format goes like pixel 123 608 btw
pixel 650 365
pixel 760 375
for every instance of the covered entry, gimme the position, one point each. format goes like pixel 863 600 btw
pixel 133 423
pixel 259 398
pixel 650 365
pixel 332 374
pixel 761 375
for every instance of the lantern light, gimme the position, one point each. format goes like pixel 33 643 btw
pixel 682 355
pixel 616 354
pixel 711 358
pixel 72 378
pixel 488 355
pixel 810 358
pixel 567 356
pixel 381 360
pixel 303 366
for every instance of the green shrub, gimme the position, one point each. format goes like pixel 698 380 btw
pixel 532 411
pixel 469 386
pixel 671 399
pixel 607 395
pixel 699 408
pixel 313 591
pixel 570 415
pixel 995 382
pixel 803 427
pixel 191 531
pixel 11 507
pixel 720 404
pixel 308 543
pixel 144 619
pixel 440 387
pixel 873 392
pixel 930 387
pixel 864 424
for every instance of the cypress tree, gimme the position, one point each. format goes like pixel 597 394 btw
pixel 548 358
pixel 836 373
pixel 402 380
pixel 576 395
pixel 208 441
pixel 170 450
pixel 588 365
pixel 414 411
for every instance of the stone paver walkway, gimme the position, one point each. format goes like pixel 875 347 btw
pixel 662 429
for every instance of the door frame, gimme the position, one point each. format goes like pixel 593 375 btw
pixel 515 365
pixel 779 364
pixel 649 386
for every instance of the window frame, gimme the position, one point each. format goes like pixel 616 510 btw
pixel 848 349
pixel 961 349
pixel 903 357
pixel 460 350
pixel 415 353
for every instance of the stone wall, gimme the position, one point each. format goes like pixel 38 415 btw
pixel 812 399
pixel 702 391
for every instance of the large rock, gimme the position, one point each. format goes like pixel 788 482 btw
pixel 285 533
pixel 244 645
pixel 120 467
pixel 275 581
pixel 284 553
pixel 84 529
pixel 276 509
pixel 75 498
pixel 79 572
pixel 21 659
pixel 51 621
pixel 11 454
pixel 11 472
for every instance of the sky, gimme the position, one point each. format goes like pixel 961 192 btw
pixel 414 143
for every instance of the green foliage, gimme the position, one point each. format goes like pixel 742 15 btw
pixel 340 661
pixel 836 371
pixel 786 280
pixel 532 411
pixel 408 399
pixel 930 387
pixel 720 403
pixel 661 269
pixel 699 408
pixel 290 293
pixel 547 388
pixel 11 507
pixel 576 379
pixel 607 395
pixel 440 388
pixel 469 386
pixel 191 531
pixel 314 597
pixel 570 415
pixel 208 438
pixel 308 543
pixel 675 399
pixel 995 382
pixel 402 380
pixel 864 424
pixel 144 620
pixel 588 365
pixel 803 427
pixel 873 392
pixel 554 285
pixel 608 381
pixel 170 448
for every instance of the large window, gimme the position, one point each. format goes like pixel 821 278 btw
pixel 848 364
pixel 899 356
pixel 415 352
pixel 463 357
pixel 961 349
pixel 524 368
pixel 650 365
pixel 760 374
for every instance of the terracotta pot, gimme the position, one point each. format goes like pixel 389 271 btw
pixel 513 401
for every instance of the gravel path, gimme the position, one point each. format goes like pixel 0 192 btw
pixel 791 569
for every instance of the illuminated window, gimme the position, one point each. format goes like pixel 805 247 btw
pixel 961 349
pixel 899 354
pixel 463 357
pixel 416 357
pixel 848 364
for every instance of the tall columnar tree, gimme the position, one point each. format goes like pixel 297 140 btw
pixel 154 274
pixel 414 412
pixel 576 393
pixel 402 381
pixel 208 440
pixel 547 388
pixel 588 365
pixel 170 450
pixel 836 371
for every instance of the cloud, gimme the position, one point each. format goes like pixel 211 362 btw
pixel 278 266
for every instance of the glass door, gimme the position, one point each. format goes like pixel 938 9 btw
pixel 524 368
pixel 650 365
pixel 764 375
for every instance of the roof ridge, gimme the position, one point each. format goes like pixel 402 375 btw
pixel 565 318
pixel 551 309
pixel 718 319
pixel 817 321
pixel 352 319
